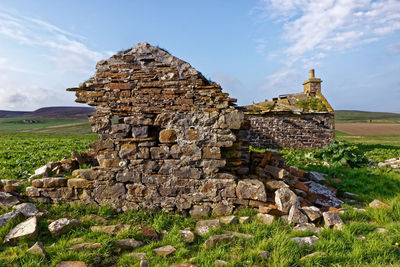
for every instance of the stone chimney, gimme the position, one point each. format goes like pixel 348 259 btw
pixel 312 85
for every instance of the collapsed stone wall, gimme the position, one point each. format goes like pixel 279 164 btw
pixel 289 130
pixel 171 140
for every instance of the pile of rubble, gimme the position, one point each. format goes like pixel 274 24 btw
pixel 393 163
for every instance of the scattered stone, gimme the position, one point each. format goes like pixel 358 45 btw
pixel 377 204
pixel 111 229
pixel 37 249
pixel 332 219
pixel 165 250
pixel 244 219
pixel 138 255
pixel 220 263
pixel 265 218
pixel 187 235
pixel 216 239
pixel 228 219
pixel 6 217
pixel 7 200
pixel 285 199
pixel 28 228
pixel 307 227
pixel 205 226
pixel 27 209
pixel 62 225
pixel 148 232
pixel 381 230
pixel 85 246
pixel 296 216
pixel 128 243
pixel 322 196
pixel 72 264
pixel 198 212
pixel 251 189
pixel 312 255
pixel 76 240
pixel 316 177
pixel 360 210
pixel 144 263
pixel 241 235
pixel 264 255
pixel 361 237
pixel 312 212
pixel 41 172
pixel 308 240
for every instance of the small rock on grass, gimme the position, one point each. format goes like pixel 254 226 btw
pixel 332 219
pixel 264 255
pixel 128 243
pixel 144 263
pixel 138 255
pixel 37 249
pixel 308 240
pixel 220 263
pixel 165 250
pixel 307 227
pixel 187 235
pixel 7 200
pixel 244 219
pixel 94 217
pixel 72 264
pixel 62 225
pixel 6 217
pixel 216 239
pixel 205 226
pixel 377 204
pixel 381 230
pixel 265 218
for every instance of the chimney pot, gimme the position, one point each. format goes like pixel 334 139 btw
pixel 312 73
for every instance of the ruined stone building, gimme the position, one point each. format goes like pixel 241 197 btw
pixel 170 139
pixel 304 120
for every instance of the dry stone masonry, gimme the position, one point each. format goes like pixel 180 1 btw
pixel 304 120
pixel 171 140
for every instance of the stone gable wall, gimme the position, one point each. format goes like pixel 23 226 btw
pixel 288 130
pixel 168 140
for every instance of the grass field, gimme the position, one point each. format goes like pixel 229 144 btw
pixel 354 116
pixel 45 125
pixel 358 244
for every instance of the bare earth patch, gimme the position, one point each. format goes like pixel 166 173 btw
pixel 368 128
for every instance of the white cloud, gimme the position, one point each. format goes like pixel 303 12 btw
pixel 332 25
pixel 67 50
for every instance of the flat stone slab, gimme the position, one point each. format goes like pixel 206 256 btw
pixel 111 229
pixel 128 243
pixel 28 228
pixel 85 246
pixel 165 250
pixel 27 209
pixel 72 264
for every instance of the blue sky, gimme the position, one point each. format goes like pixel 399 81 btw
pixel 255 49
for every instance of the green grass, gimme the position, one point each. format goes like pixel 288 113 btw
pixel 22 153
pixel 342 116
pixel 45 125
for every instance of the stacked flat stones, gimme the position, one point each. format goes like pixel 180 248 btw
pixel 168 140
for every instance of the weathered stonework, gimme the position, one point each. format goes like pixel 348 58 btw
pixel 304 120
pixel 169 140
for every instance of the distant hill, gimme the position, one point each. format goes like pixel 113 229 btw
pixel 50 112
pixel 365 116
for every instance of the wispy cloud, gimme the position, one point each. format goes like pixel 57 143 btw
pixel 314 27
pixel 67 50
